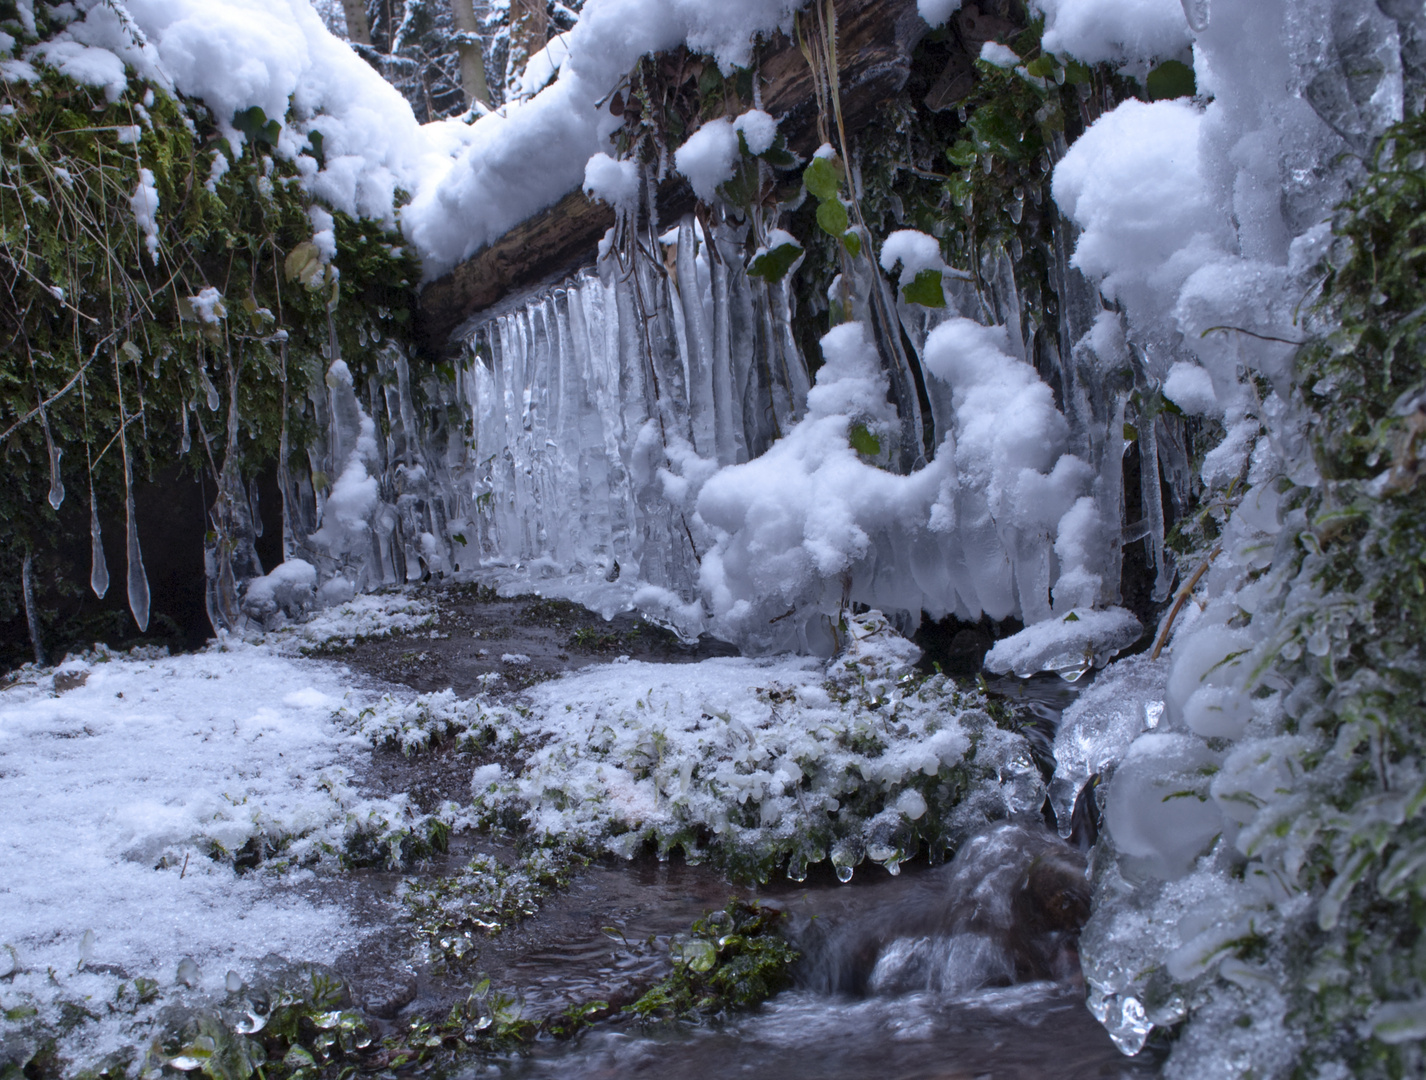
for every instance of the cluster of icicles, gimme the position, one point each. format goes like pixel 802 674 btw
pixel 549 459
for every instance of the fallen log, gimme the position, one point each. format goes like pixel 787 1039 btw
pixel 875 43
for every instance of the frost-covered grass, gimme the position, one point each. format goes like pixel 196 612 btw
pixel 760 765
pixel 362 618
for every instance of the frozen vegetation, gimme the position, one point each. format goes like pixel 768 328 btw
pixel 1236 305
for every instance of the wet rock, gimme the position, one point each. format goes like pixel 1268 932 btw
pixel 1007 909
pixel 386 996
pixel 65 681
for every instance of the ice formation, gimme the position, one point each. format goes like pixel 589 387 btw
pixel 647 431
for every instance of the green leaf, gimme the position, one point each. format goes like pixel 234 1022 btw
pixel 863 441
pixel 1131 433
pixel 710 81
pixel 1071 617
pixel 773 265
pixel 832 217
pixel 822 179
pixel 853 243
pixel 1076 73
pixel 925 289
pixel 1042 67
pixel 1171 79
pixel 962 154
pixel 778 155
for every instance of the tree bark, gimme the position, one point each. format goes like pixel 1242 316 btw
pixel 529 27
pixel 472 54
pixel 358 29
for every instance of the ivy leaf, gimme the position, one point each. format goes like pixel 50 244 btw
pixel 778 155
pixel 863 441
pixel 822 179
pixel 1171 79
pixel 1042 67
pixel 304 264
pixel 925 289
pixel 962 154
pixel 832 217
pixel 853 243
pixel 773 265
pixel 257 127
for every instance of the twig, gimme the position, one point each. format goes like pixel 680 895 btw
pixel 56 395
pixel 1252 333
pixel 1183 595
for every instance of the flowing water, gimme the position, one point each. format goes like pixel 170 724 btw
pixel 967 970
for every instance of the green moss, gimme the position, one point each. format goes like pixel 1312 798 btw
pixel 729 961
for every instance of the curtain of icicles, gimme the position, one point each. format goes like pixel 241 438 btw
pixel 581 393
pixel 558 458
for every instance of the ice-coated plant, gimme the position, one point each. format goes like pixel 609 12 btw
pixel 1265 874
pixel 866 759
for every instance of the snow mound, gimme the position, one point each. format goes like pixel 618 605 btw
pixel 1069 645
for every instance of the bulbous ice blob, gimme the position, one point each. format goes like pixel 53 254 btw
pixel 1155 811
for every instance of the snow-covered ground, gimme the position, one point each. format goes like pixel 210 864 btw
pixel 130 783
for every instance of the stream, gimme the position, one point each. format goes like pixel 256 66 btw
pixel 963 970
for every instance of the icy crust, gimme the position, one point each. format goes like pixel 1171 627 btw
pixel 1068 645
pixel 138 789
pixel 359 618
pixel 762 765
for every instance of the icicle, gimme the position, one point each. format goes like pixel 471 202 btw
pixel 253 508
pixel 32 615
pixel 208 388
pixel 138 580
pixel 1152 492
pixel 99 568
pixel 185 442
pixel 56 484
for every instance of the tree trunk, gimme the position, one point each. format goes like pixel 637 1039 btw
pixel 529 27
pixel 472 55
pixel 358 29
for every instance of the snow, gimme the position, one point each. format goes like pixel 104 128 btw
pixel 127 797
pixel 1190 387
pixel 614 182
pixel 936 12
pixel 207 305
pixel 992 52
pixel 1133 183
pixel 1114 30
pixel 759 130
pixel 144 203
pixel 708 157
pixel 915 251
